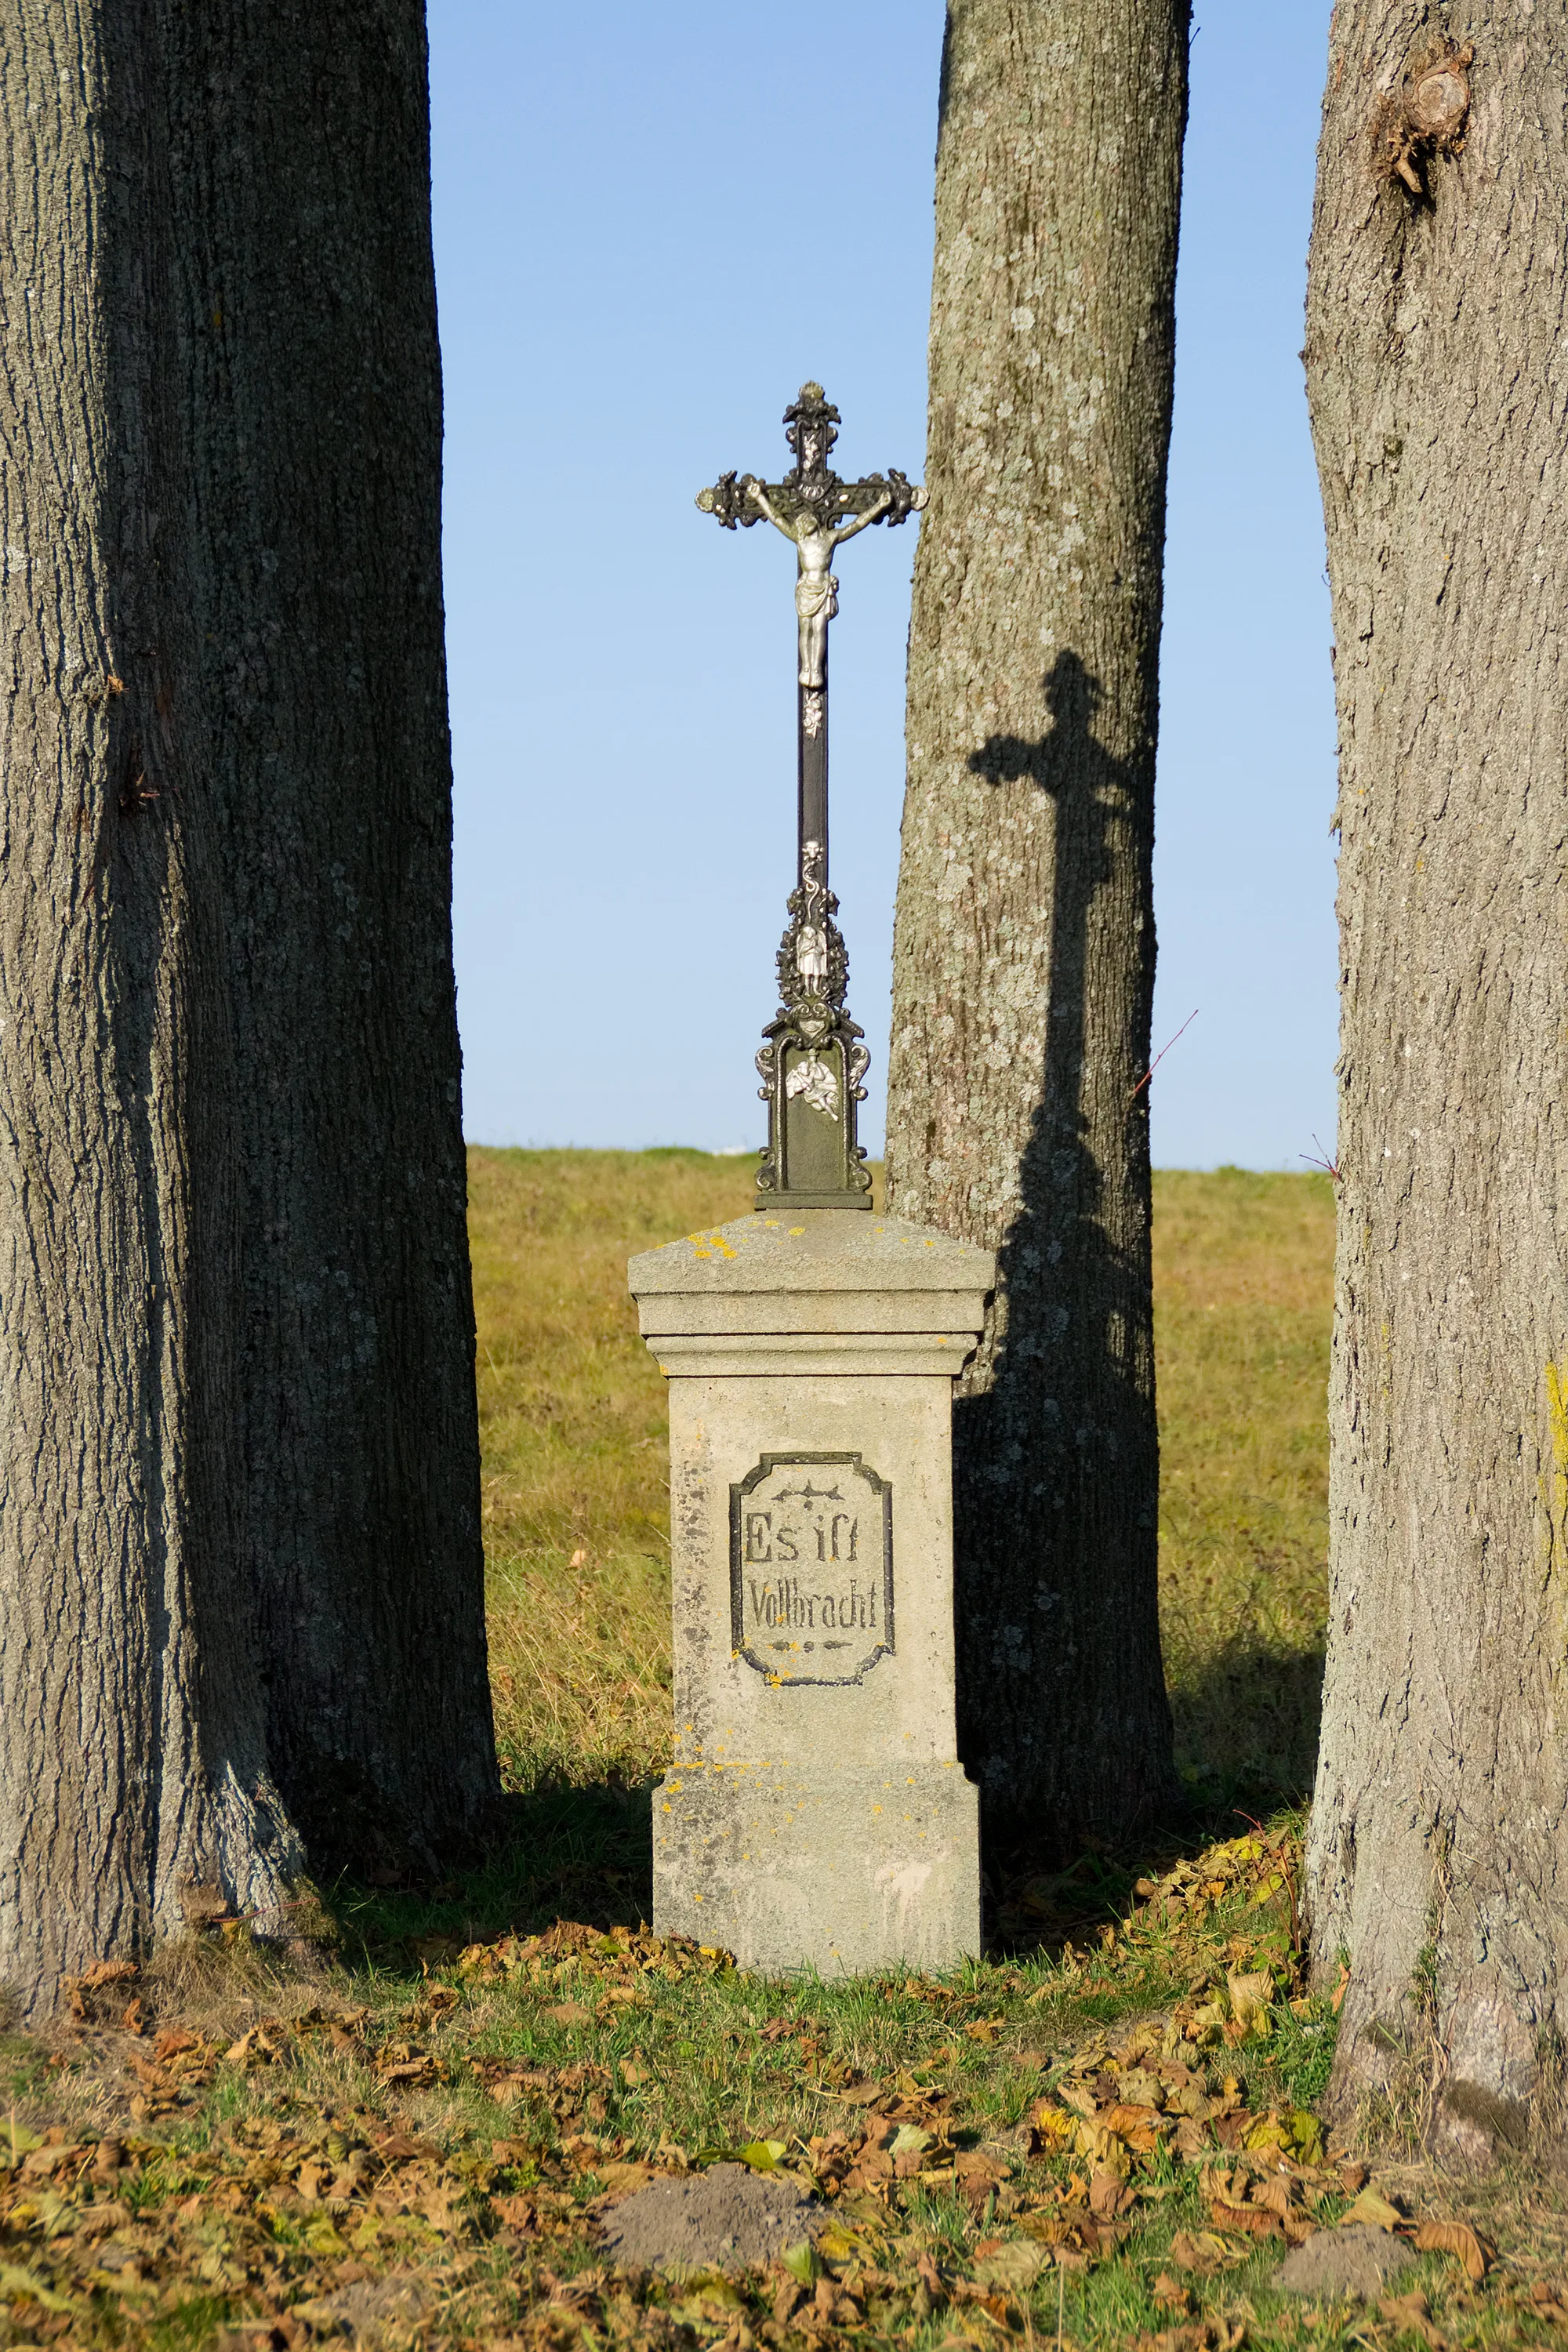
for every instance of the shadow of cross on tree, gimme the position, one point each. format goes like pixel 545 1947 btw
pixel 1062 1712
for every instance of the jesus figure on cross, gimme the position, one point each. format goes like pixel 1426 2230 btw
pixel 817 590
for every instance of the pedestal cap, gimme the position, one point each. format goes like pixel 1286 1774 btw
pixel 820 1274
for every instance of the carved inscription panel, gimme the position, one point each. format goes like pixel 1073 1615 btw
pixel 811 1568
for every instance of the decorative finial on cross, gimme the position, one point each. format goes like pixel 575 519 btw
pixel 812 1061
pixel 811 428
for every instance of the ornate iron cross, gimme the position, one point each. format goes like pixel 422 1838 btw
pixel 812 1060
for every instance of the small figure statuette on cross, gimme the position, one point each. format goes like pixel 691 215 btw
pixel 812 1061
pixel 817 590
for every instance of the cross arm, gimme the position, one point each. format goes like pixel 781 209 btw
pixel 729 501
pixel 904 497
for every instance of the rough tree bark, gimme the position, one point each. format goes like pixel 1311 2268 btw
pixel 1437 375
pixel 1024 947
pixel 239 1563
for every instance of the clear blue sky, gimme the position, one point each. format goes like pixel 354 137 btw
pixel 641 251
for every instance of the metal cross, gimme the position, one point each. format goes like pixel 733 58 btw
pixel 812 1062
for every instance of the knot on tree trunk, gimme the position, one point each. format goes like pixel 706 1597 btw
pixel 1423 118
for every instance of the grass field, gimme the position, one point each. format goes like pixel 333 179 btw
pixel 408 2144
pixel 573 1412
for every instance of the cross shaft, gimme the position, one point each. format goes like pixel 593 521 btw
pixel 812 1062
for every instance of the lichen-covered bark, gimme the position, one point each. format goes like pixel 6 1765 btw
pixel 1024 947
pixel 1438 384
pixel 238 1533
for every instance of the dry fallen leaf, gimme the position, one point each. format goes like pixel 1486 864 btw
pixel 1014 2265
pixel 931 2279
pixel 1197 2335
pixel 1374 2210
pixel 95 1978
pixel 1296 2132
pixel 1051 2126
pixel 1103 2146
pixel 976 2174
pixel 1413 2311
pixel 1256 2220
pixel 1250 1996
pixel 1452 2237
pixel 259 2047
pixel 568 2012
pixel 406 2071
pixel 1137 2125
pixel 620 2179
pixel 1203 2253
pixel 1108 2193
pixel 1078 2097
pixel 107 1972
pixel 23 2285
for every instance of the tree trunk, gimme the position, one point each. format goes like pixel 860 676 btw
pixel 1438 385
pixel 1023 947
pixel 239 1566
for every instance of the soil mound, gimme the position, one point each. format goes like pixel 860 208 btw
pixel 1354 2259
pixel 726 2219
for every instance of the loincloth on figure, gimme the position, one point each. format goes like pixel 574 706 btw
pixel 813 597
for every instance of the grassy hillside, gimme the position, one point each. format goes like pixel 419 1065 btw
pixel 573 1413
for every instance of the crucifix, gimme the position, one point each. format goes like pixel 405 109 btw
pixel 812 1060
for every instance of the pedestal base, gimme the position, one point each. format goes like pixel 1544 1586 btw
pixel 843 1869
pixel 816 1816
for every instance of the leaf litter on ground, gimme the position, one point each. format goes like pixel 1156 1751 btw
pixel 432 2161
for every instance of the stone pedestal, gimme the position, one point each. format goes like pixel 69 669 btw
pixel 816 1815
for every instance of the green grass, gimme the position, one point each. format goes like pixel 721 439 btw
pixel 572 1414
pixel 1242 1298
